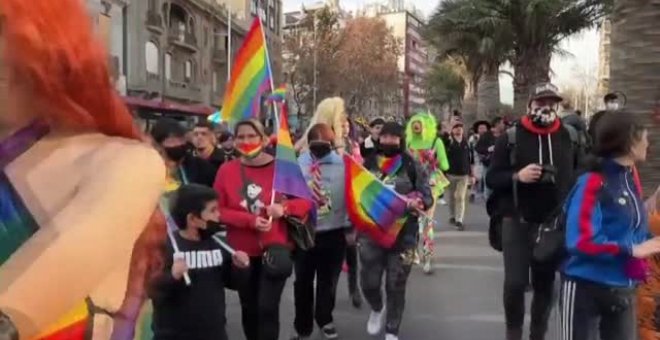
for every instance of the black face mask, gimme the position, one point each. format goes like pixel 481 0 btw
pixel 389 150
pixel 212 228
pixel 176 153
pixel 320 150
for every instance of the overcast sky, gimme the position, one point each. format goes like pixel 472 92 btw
pixel 582 48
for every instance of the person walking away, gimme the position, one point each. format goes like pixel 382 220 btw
pixel 481 129
pixel 195 311
pixel 257 227
pixel 182 166
pixel 607 237
pixel 227 149
pixel 532 170
pixel 204 140
pixel 352 148
pixel 370 144
pixel 459 174
pixel 485 147
pixel 396 262
pixel 323 169
pixel 428 149
pixel 648 295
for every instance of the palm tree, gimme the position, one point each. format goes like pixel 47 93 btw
pixel 535 28
pixel 635 70
pixel 481 47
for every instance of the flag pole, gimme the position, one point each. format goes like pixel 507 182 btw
pixel 229 18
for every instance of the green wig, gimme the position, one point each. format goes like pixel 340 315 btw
pixel 429 131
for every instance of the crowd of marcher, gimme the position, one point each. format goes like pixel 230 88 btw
pixel 535 173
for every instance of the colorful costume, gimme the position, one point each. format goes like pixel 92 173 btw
pixel 78 186
pixel 429 150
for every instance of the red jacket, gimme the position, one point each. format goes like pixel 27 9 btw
pixel 240 221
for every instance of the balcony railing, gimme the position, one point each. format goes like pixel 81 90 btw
pixel 183 38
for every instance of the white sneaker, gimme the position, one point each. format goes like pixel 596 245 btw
pixel 391 337
pixel 427 266
pixel 375 323
pixel 443 202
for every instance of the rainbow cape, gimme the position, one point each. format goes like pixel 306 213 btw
pixel 288 179
pixel 374 209
pixel 250 78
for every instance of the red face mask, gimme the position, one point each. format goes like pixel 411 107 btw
pixel 250 150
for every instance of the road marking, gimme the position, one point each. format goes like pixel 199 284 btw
pixel 456 233
pixel 476 267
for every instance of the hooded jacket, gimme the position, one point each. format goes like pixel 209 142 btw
pixel 428 143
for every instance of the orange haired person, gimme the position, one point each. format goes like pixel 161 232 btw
pixel 648 295
pixel 77 185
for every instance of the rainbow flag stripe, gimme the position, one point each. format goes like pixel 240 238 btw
pixel 374 209
pixel 289 179
pixel 278 95
pixel 250 78
pixel 389 165
pixel 253 150
pixel 73 326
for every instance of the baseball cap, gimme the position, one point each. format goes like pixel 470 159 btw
pixel 377 121
pixel 545 90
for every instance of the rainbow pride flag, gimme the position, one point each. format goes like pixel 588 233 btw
pixel 288 179
pixel 73 326
pixel 374 209
pixel 250 78
pixel 278 95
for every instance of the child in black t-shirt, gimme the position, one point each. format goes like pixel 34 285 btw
pixel 194 311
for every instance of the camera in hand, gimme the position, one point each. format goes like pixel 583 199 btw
pixel 548 173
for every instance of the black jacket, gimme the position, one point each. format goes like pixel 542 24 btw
pixel 199 171
pixel 483 144
pixel 536 201
pixel 459 156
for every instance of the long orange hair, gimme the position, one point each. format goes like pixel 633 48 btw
pixel 53 55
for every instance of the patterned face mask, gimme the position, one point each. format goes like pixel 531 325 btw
pixel 543 116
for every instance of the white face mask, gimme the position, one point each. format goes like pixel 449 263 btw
pixel 543 115
pixel 612 106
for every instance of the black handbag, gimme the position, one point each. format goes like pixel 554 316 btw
pixel 550 241
pixel 301 232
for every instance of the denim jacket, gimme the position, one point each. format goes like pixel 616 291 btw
pixel 333 183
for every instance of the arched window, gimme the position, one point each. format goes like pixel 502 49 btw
pixel 168 66
pixel 151 57
pixel 188 70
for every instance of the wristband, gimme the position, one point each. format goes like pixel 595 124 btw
pixel 7 328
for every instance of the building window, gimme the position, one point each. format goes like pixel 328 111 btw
pixel 414 44
pixel 272 21
pixel 151 57
pixel 254 6
pixel 168 66
pixel 188 70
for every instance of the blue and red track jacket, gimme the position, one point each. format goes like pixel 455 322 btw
pixel 605 218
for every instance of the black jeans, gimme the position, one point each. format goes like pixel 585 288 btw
pixel 260 297
pixel 323 262
pixel 587 308
pixel 517 241
pixel 352 264
pixel 396 264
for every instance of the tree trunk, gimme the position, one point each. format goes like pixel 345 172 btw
pixel 635 70
pixel 488 95
pixel 469 107
pixel 530 68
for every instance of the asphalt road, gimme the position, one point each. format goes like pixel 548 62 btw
pixel 460 301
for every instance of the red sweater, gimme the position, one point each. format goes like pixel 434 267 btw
pixel 240 221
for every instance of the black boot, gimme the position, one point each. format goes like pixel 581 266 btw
pixel 514 334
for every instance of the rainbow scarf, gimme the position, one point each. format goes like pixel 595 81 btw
pixel 389 166
pixel 374 209
pixel 250 78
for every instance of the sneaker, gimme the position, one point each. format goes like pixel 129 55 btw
pixel 452 221
pixel 427 266
pixel 460 226
pixel 329 331
pixel 443 202
pixel 375 323
pixel 389 336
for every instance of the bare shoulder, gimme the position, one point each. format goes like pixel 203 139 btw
pixel 133 160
